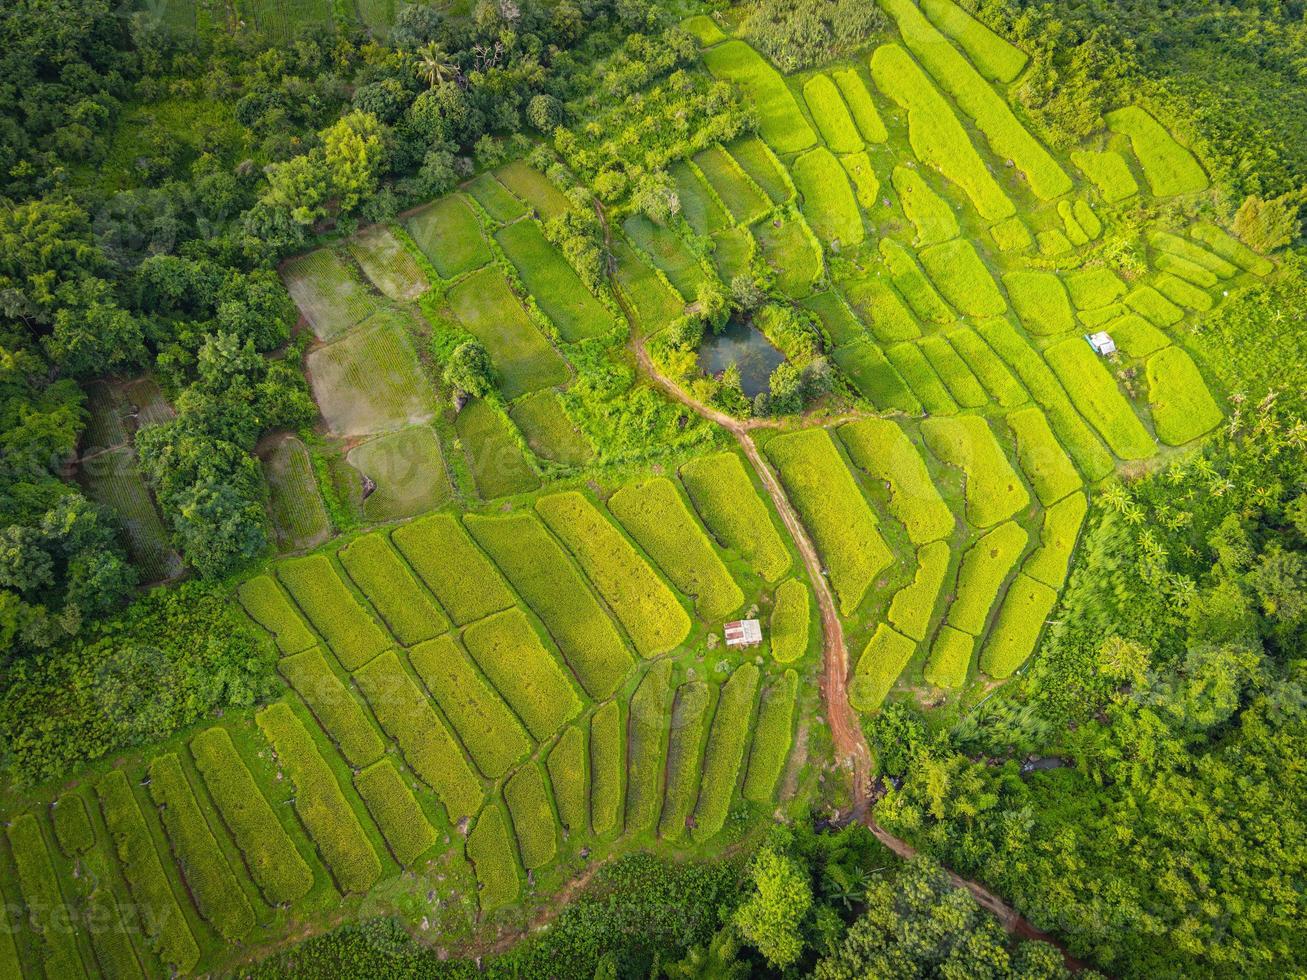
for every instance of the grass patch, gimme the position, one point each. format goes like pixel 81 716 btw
pixel 639 599
pixel 607 763
pixel 274 863
pixel 881 449
pixel 879 666
pixel 1183 409
pixel 725 752
pixel 742 197
pixel 1043 461
pixel 780 123
pixel 299 519
pixel 1094 392
pixel 388 264
pixel 831 114
pixel 791 251
pixel 548 431
pixel 522 357
pixel 400 819
pixel 1108 171
pixel 772 738
pixel 408 471
pixel 533 187
pixel 860 104
pixel 383 577
pixel 827 199
pixel 936 136
pixel 729 506
pixel 648 723
pixel 985 566
pixel 336 710
pixel 684 751
pixel 912 283
pixel 1093 288
pixel 532 815
pixel 912 607
pixel 488 730
pixel 1057 540
pixel 988 367
pixel 1016 630
pixel 428 747
pixel 491 851
pixel 912 366
pixel 758 161
pixel 875 378
pixel 668 252
pixel 1168 167
pixel 352 634
pixel 555 589
pixel 497 200
pixel 554 283
pixel 268 606
pixel 1041 301
pixel 950 658
pixel 790 621
pixel 654 514
pixel 496 460
pixel 929 213
pixel 527 676
pixel 836 514
pixel 996 59
pixel 567 777
pixel 327 293
pixel 964 386
pixel 452 567
pixel 994 491
pixel 961 276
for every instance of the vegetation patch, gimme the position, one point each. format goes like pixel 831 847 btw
pixel 388 264
pixel 988 367
pixel 879 666
pixel 382 576
pixel 684 751
pixel 72 827
pixel 495 457
pixel 727 740
pixel 985 566
pixel 491 851
pixel 45 906
pixel 866 185
pixel 352 634
pixel 789 624
pixel 828 201
pixel 650 297
pixel 698 203
pixel 400 819
pixel 1020 620
pixel 532 815
pixel 549 431
pixel 1094 392
pixel 780 123
pixel 1168 167
pixel 913 606
pixel 327 293
pixel 1183 293
pixel 1229 247
pixel 1183 409
pixel 1044 462
pixel 950 658
pixel 772 738
pixel 334 707
pixel 882 449
pixel 554 283
pixel 449 234
pixel 961 276
pixel 568 778
pixel 1041 301
pixel 1057 541
pixel 452 567
pixel 1136 337
pixel 114 479
pixel 730 507
pixel 1109 172
pixel 994 491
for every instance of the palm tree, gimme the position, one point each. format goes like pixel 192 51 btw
pixel 433 64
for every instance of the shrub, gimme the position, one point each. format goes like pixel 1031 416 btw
pixel 606 767
pixel 912 283
pixel 400 819
pixel 827 200
pixel 1182 293
pixel 790 621
pixel 735 514
pixel 1093 461
pixel 274 863
pixel 879 666
pixel 452 567
pixel 913 605
pixel 1093 288
pixel 842 525
pixel 997 60
pixel 862 108
pixel 771 738
pixel 988 367
pixel 1189 251
pixel 72 827
pixel 831 114
pixel 208 876
pixel 567 776
pixel 994 491
pixel 1108 171
pixel 1041 301
pixel 551 585
pixel 654 514
pixel 964 386
pixel 352 634
pixel 646 728
pixel 162 920
pixel 1057 540
pixel 1183 409
pixel 1007 138
pixel 491 852
pixel 984 568
pixel 726 741
pixel 44 904
pixel 489 731
pixel 1153 306
pixel 1229 247
pixel 428 747
pixel 1168 167
pixel 532 814
pixel 937 138
pixel 913 368
pixel 322 807
pixel 961 276
pixel 1136 337
pixel 508 650
pixel 334 707
pixel 929 213
pixel 1094 392
pixel 684 750
pixel 383 577
pixel 780 122
pixel 950 657
pixel 1045 464
pixel 269 607
pixel 1020 621
pixel 643 604
pixel 883 450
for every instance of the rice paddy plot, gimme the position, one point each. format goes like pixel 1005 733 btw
pixel 491 850
pixel 733 252
pixel 997 60
pixel 1153 306
pixel 727 739
pixel 1044 462
pixel 1191 251
pixel 743 198
pixel 912 366
pixel 828 109
pixel 554 283
pixel 1183 409
pixel 106 427
pixel 493 453
pixel 1011 235
pixel 962 277
pixel 704 29
pixel 497 200
pixel 1094 288
pixel 699 206
pixel 876 378
pixel 1050 562
pixel 1228 247
pixel 1021 619
pixel 533 187
pixel 113 479
pixel 1182 293
pixel 988 367
pixel 450 236
pixel 860 104
pixel 913 606
pixel 791 251
pixel 664 247
pixel 758 161
pixel 881 308
pixel 827 199
pixel 866 185
pixel 408 473
pixel 835 317
pixel 299 518
pixel 883 450
pixel 649 298
pixel 985 567
pixel 912 283
pixel 1168 167
pixel 929 213
pixel 548 430
pixel 146 403
pixel 1040 300
pixel 994 491
pixel 733 511
pixel 607 764
pixel 684 750
pixel 327 293
pixel 464 581
pixel 386 582
pixel 1108 171
pixel 388 264
pixel 772 737
pixel 396 811
pixel 879 666
pixel 523 358
pixel 651 705
pixel 950 658
pixel 335 708
pixel 283 20
pixel 534 823
pixel 1134 336
pixel 370 381
pixel 780 122
pixel 1094 392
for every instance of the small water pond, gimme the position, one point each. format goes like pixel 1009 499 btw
pixel 744 344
